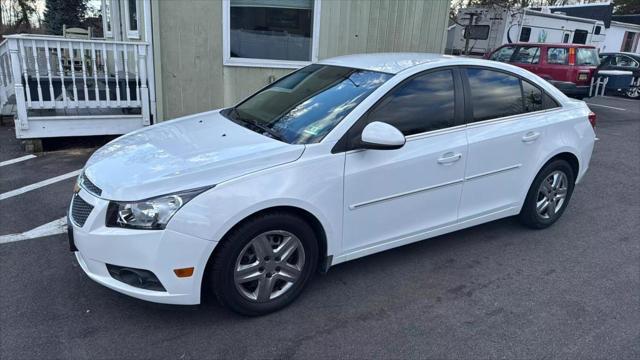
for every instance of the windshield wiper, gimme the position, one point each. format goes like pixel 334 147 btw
pixel 272 133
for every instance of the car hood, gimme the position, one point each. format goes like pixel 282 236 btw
pixel 182 154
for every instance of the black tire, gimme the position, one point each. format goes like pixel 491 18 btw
pixel 529 215
pixel 223 263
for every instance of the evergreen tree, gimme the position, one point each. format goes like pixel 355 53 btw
pixel 64 12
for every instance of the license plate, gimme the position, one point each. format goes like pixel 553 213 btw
pixel 72 244
pixel 583 77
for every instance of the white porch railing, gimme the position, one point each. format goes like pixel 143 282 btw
pixel 53 79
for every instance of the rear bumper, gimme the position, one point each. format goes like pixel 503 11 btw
pixel 571 89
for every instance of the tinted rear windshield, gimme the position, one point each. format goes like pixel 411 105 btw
pixel 303 107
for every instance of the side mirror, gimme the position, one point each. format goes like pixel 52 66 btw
pixel 381 136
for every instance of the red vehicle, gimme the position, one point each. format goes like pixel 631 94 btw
pixel 569 67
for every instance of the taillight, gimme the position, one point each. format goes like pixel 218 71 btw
pixel 572 56
pixel 592 119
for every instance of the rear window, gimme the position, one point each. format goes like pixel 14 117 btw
pixel 476 32
pixel 587 57
pixel 557 55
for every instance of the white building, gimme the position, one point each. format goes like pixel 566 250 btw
pixel 622 37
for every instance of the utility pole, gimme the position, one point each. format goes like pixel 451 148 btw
pixel 467 32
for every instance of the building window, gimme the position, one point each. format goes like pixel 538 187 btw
pixel 580 37
pixel 106 18
pixel 525 34
pixel 132 19
pixel 270 33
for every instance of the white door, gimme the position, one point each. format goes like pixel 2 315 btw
pixel 505 132
pixel 392 194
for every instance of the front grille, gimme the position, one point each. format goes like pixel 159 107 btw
pixel 91 187
pixel 80 210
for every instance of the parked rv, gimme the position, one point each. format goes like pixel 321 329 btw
pixel 480 30
pixel 568 67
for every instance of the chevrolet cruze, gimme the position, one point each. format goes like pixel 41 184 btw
pixel 341 159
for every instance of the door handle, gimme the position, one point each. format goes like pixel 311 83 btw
pixel 531 136
pixel 449 158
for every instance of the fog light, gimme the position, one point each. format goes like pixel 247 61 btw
pixel 139 278
pixel 184 272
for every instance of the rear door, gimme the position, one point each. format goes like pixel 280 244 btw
pixel 556 65
pixel 505 124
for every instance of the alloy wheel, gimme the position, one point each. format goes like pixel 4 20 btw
pixel 552 195
pixel 269 265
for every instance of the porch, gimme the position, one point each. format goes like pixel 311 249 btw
pixel 56 86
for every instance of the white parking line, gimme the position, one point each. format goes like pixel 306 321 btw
pixel 17 160
pixel 606 106
pixel 38 185
pixel 52 228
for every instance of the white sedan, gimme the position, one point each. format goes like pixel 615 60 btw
pixel 338 160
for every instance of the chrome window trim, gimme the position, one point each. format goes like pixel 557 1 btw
pixel 513 117
pixel 430 133
pixel 405 193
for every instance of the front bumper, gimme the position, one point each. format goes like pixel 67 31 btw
pixel 158 251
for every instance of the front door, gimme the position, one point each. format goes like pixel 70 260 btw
pixel 391 195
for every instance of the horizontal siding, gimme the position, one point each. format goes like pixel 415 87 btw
pixel 190 40
pixel 355 26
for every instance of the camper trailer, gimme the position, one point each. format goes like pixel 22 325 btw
pixel 480 30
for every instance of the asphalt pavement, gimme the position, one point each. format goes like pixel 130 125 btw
pixel 497 290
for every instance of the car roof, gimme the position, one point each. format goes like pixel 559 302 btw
pixel 634 55
pixel 391 63
pixel 560 45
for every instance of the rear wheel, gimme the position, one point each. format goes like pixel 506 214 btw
pixel 264 264
pixel 633 92
pixel 548 196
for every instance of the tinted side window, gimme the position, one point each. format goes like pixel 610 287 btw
pixel 424 103
pixel 503 54
pixel 535 99
pixel 580 37
pixel 557 55
pixel 525 34
pixel 494 94
pixel 527 55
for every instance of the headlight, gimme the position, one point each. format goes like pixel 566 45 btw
pixel 150 214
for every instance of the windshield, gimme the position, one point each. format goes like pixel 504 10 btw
pixel 303 107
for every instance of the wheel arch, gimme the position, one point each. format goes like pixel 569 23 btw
pixel 324 260
pixel 569 157
pixel 563 154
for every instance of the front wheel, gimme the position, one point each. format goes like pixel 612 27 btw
pixel 548 196
pixel 633 92
pixel 264 264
